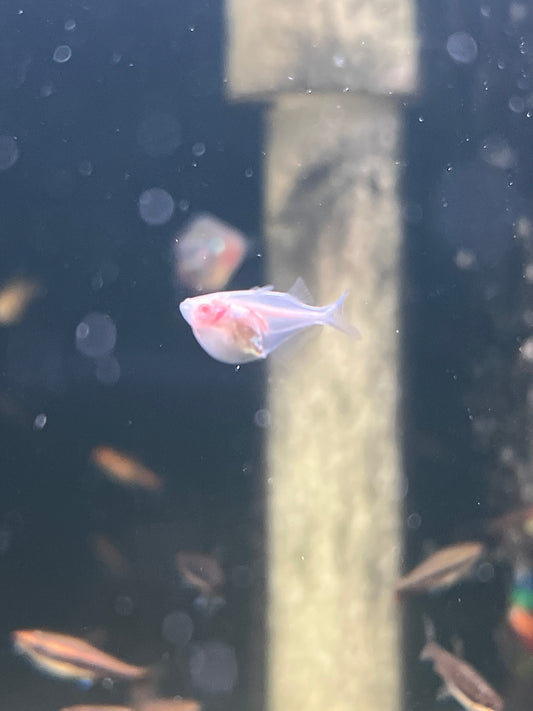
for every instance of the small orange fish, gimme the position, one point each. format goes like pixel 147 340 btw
pixel 69 657
pixel 241 326
pixel 125 469
pixel 110 556
pixel 15 297
pixel 207 253
pixel 443 569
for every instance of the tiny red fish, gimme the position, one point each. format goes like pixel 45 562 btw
pixel 242 326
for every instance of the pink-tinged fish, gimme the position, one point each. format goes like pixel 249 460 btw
pixel 241 326
pixel 69 657
pixel 207 253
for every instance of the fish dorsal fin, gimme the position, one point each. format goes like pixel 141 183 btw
pixel 268 287
pixel 300 291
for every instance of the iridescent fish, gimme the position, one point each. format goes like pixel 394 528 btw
pixel 443 569
pixel 461 680
pixel 207 253
pixel 241 326
pixel 125 469
pixel 69 657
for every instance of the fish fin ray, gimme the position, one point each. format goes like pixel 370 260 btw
pixel 338 320
pixel 300 291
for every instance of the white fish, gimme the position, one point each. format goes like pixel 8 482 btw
pixel 242 326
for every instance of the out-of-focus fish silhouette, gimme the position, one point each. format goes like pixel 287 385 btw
pixel 204 573
pixel 69 657
pixel 96 707
pixel 460 679
pixel 125 469
pixel 109 555
pixel 443 569
pixel 170 705
pixel 16 295
pixel 207 253
pixel 241 326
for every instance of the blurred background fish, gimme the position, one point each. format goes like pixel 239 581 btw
pixel 207 253
pixel 125 469
pixel 16 295
pixel 204 573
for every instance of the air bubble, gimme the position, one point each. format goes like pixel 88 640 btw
pixel 39 422
pixel 462 47
pixel 156 206
pixel 96 335
pixel 198 149
pixel 62 54
pixel 70 25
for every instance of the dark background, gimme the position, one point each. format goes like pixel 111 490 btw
pixel 466 189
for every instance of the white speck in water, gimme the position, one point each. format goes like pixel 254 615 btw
pixel 496 151
pixel 9 152
pixel 39 422
pixel 70 25
pixel 85 167
pixel 237 368
pixel 177 628
pixel 420 119
pixel 156 206
pixel 462 47
pixel 517 104
pixel 62 54
pixel 522 46
pixel 213 667
pixel 262 418
pixel 414 521
pixel 198 149
pixel 96 335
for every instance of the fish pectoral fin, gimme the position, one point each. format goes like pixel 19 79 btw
pixel 300 291
pixel 443 693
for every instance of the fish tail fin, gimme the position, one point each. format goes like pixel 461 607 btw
pixel 336 318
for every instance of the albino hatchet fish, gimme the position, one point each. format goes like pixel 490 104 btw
pixel 241 326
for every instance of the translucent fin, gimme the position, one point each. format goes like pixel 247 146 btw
pixel 300 291
pixel 336 318
pixel 268 287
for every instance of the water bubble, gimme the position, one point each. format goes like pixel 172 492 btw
pixel 485 572
pixel 39 422
pixel 70 25
pixel 517 104
pixel 497 152
pixel 85 167
pixel 108 370
pixel 159 134
pixel 465 258
pixel 124 605
pixel 213 667
pixel 198 149
pixel 156 206
pixel 116 58
pixel 184 205
pixel 248 173
pixel 62 54
pixel 522 47
pixel 96 335
pixel 9 152
pixel 262 418
pixel 414 521
pixel 485 10
pixel 177 628
pixel 108 683
pixel 462 47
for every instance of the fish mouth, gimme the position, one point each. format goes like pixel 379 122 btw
pixel 186 309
